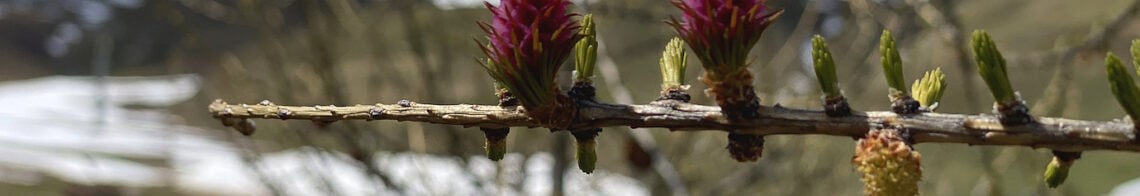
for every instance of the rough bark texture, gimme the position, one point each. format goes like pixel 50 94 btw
pixel 1055 133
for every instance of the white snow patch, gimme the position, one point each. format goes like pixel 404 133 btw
pixel 56 126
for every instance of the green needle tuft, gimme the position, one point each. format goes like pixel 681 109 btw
pixel 673 65
pixel 928 90
pixel 1122 86
pixel 586 50
pixel 587 156
pixel 586 149
pixel 991 66
pixel 892 65
pixel 825 68
pixel 496 143
pixel 1056 172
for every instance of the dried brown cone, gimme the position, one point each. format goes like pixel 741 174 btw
pixel 888 165
pixel 745 147
pixel 737 100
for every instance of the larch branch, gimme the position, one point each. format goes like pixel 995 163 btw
pixel 1053 133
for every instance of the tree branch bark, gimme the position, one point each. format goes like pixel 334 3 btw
pixel 1054 133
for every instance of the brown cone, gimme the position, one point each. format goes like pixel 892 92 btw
pixel 744 147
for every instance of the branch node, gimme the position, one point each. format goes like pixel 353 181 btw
pixel 375 113
pixel 227 112
pixel 1015 113
pixel 836 107
pixel 906 106
pixel 582 91
pixel 283 113
pixel 404 103
pixel 678 94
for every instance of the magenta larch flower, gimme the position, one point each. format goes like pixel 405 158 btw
pixel 529 41
pixel 722 32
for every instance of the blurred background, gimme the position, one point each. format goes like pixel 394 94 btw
pixel 108 97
